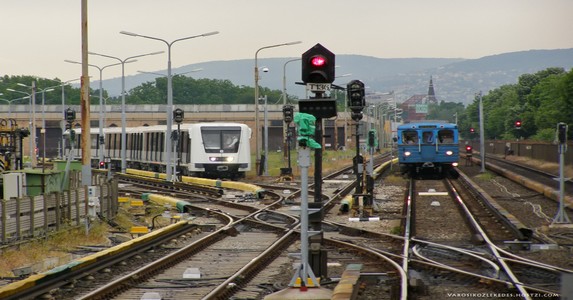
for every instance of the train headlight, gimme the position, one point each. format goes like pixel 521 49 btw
pixel 407 153
pixel 221 159
pixel 449 152
pixel 455 164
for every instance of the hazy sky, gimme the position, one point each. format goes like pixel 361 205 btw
pixel 38 35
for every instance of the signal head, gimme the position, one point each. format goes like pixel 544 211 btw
pixel 562 133
pixel 70 115
pixel 518 124
pixel 318 65
pixel 288 113
pixel 178 115
pixel 356 95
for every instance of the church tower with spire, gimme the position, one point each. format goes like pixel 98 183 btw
pixel 431 97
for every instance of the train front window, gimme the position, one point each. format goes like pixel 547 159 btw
pixel 217 140
pixel 410 137
pixel 446 136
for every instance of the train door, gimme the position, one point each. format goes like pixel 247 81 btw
pixel 184 147
pixel 428 137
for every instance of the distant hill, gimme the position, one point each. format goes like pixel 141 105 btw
pixel 455 79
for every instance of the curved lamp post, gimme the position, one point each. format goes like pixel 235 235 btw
pixel 169 175
pixel 258 159
pixel 10 103
pixel 123 117
pixel 100 69
pixel 32 124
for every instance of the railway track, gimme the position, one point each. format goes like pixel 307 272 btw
pixel 480 253
pixel 395 265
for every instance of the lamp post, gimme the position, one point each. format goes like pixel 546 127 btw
pixel 169 175
pixel 43 130
pixel 100 69
pixel 123 116
pixel 285 127
pixel 258 159
pixel 10 103
pixel 32 124
pixel 63 122
pixel 284 79
pixel 163 75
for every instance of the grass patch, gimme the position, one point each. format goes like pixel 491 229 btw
pixel 396 230
pixel 485 176
pixel 123 218
pixel 57 245
pixel 331 160
pixel 394 179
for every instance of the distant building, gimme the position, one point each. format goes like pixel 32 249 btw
pixel 416 107
pixel 377 98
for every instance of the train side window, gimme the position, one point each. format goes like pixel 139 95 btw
pixel 446 136
pixel 428 137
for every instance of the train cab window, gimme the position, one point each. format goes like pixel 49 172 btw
pixel 446 136
pixel 231 143
pixel 221 140
pixel 428 137
pixel 410 137
pixel 211 141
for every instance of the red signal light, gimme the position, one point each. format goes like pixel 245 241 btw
pixel 101 164
pixel 472 130
pixel 468 149
pixel 318 61
pixel 517 123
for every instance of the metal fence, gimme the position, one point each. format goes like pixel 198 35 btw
pixel 29 217
pixel 534 150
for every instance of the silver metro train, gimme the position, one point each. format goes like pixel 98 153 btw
pixel 212 150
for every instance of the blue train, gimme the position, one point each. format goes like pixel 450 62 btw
pixel 428 148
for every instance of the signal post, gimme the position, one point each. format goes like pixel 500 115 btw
pixel 318 74
pixel 561 133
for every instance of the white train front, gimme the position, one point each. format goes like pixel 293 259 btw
pixel 215 150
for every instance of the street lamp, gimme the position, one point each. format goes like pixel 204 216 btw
pixel 284 79
pixel 101 138
pixel 163 75
pixel 63 122
pixel 123 117
pixel 258 159
pixel 32 124
pixel 285 126
pixel 43 130
pixel 10 103
pixel 169 176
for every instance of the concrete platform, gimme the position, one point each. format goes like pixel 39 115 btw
pixel 296 294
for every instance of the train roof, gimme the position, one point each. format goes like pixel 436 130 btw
pixel 161 128
pixel 427 124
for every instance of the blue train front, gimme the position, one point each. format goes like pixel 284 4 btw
pixel 428 147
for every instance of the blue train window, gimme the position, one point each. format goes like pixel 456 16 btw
pixel 446 136
pixel 410 137
pixel 428 137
